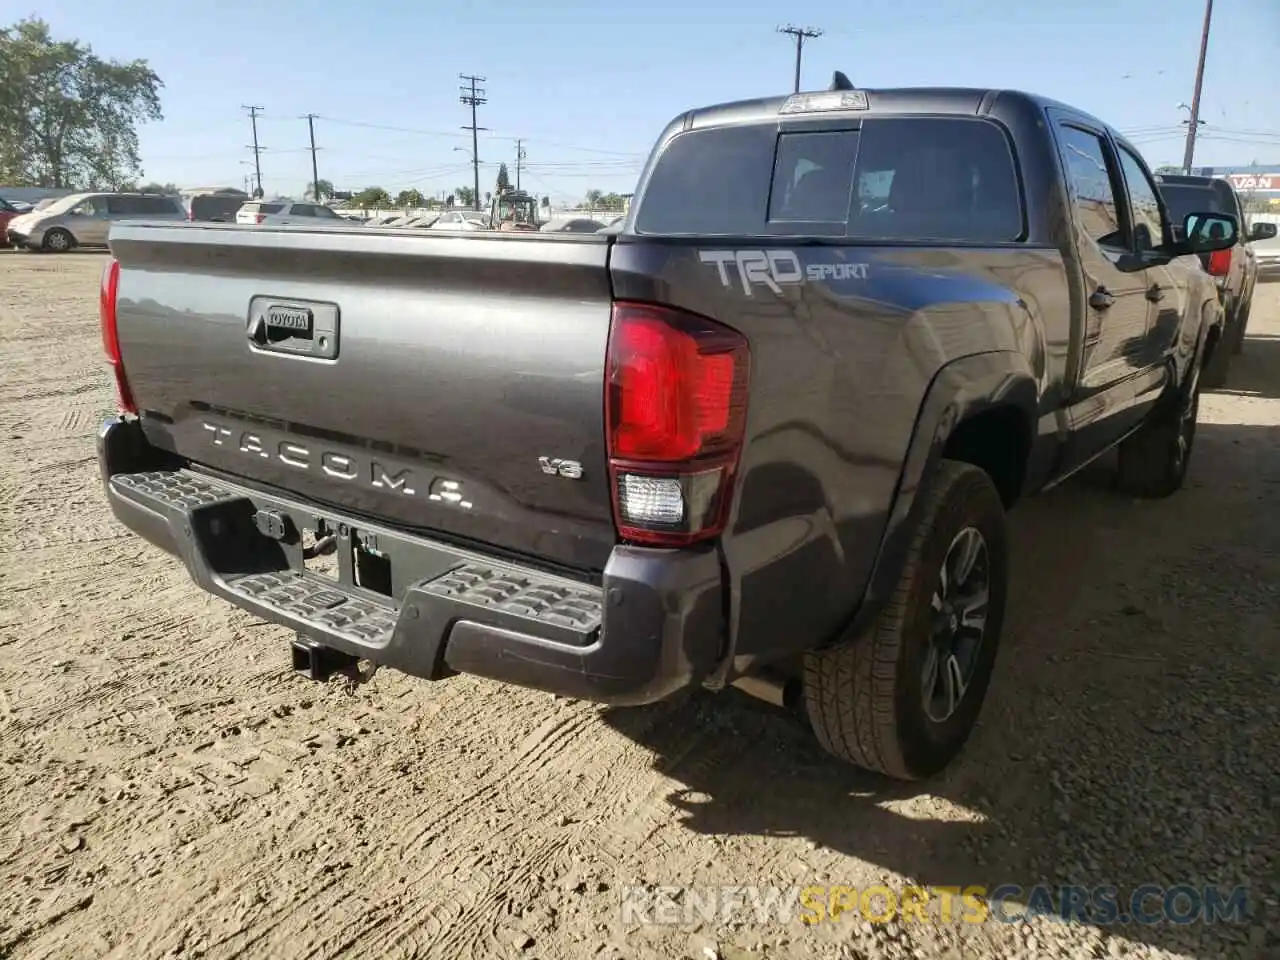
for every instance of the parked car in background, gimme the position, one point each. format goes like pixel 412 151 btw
pixel 1268 254
pixel 7 212
pixel 1234 269
pixel 84 219
pixel 283 212
pixel 213 207
pixel 576 225
pixel 462 220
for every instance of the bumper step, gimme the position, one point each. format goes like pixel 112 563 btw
pixel 214 526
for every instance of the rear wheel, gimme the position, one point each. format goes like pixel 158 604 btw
pixel 903 698
pixel 1154 461
pixel 58 240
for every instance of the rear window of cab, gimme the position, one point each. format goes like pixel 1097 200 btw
pixel 893 178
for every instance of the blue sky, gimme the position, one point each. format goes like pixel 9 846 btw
pixel 588 85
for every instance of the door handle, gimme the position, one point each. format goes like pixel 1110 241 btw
pixel 1101 299
pixel 1155 293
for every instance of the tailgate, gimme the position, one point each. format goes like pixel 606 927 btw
pixel 448 384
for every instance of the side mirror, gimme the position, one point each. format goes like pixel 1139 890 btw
pixel 1207 233
pixel 1262 231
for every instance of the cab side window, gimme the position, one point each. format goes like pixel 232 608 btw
pixel 1093 191
pixel 1144 201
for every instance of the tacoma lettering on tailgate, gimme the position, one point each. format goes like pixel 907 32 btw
pixel 339 466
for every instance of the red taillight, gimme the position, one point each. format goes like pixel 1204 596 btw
pixel 259 217
pixel 1220 263
pixel 111 335
pixel 675 408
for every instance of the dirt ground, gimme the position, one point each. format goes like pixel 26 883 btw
pixel 169 788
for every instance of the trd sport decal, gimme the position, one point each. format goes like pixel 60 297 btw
pixel 773 268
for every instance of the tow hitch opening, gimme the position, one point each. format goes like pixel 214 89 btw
pixel 317 662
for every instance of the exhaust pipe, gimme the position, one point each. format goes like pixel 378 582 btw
pixel 773 688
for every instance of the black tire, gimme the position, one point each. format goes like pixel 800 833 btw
pixel 58 240
pixel 1154 460
pixel 866 698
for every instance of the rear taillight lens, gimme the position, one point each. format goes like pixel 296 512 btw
pixel 1220 263
pixel 675 408
pixel 107 296
pixel 259 217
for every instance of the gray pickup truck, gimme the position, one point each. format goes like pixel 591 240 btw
pixel 765 435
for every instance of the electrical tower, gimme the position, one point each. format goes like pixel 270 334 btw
pixel 257 164
pixel 520 156
pixel 473 96
pixel 315 175
pixel 801 34
pixel 1195 121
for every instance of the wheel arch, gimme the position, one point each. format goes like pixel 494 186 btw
pixel 965 401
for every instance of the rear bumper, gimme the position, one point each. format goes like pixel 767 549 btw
pixel 653 626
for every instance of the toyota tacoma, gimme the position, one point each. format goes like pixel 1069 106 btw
pixel 765 434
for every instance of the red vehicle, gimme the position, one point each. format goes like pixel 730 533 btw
pixel 7 213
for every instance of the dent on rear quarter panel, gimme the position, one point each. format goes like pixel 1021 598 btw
pixel 839 372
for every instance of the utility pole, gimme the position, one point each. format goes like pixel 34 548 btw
pixel 315 175
pixel 1194 122
pixel 473 96
pixel 520 155
pixel 257 164
pixel 801 34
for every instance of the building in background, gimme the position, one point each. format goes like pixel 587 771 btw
pixel 1258 186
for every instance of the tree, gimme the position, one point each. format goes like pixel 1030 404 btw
pixel 409 198
pixel 371 197
pixel 504 179
pixel 465 196
pixel 593 199
pixel 68 118
pixel 168 189
pixel 320 190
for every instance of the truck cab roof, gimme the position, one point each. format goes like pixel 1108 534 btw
pixel 955 101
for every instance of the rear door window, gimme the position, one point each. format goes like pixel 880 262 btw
pixel 262 207
pixel 124 206
pixel 1144 204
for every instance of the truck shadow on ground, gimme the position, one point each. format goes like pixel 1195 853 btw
pixel 1251 373
pixel 1130 734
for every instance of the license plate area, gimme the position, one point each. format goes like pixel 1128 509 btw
pixel 347 556
pixel 299 327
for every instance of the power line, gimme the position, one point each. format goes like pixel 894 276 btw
pixel 473 96
pixel 315 174
pixel 801 34
pixel 1194 122
pixel 520 155
pixel 257 163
